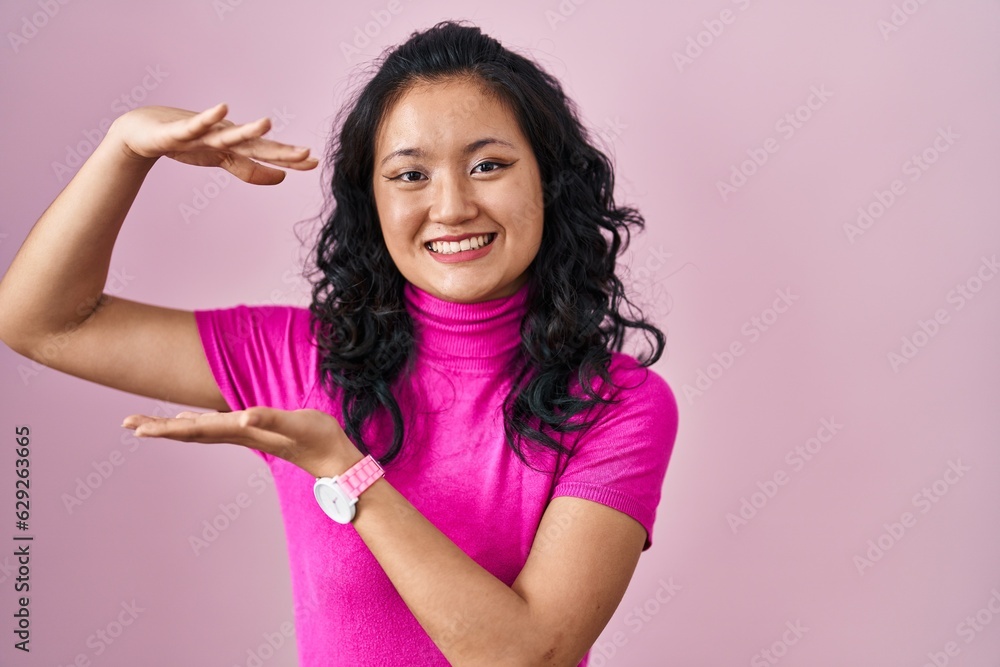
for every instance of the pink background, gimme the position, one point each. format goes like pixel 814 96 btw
pixel 714 589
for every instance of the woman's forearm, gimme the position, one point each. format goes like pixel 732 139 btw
pixel 472 617
pixel 59 273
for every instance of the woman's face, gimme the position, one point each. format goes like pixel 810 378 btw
pixel 451 162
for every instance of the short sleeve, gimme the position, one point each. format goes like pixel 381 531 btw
pixel 621 461
pixel 260 355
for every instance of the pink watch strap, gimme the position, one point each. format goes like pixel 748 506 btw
pixel 360 476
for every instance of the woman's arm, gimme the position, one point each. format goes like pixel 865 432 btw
pixel 52 303
pixel 59 273
pixel 569 588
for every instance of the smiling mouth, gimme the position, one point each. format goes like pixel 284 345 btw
pixel 455 247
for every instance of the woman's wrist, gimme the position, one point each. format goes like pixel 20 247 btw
pixel 117 145
pixel 343 455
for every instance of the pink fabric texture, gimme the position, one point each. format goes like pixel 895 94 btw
pixel 455 466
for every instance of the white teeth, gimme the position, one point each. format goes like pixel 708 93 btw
pixel 451 247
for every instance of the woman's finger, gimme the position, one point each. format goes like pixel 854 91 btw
pixel 266 149
pixel 302 165
pixel 199 124
pixel 252 172
pixel 225 138
pixel 293 159
pixel 134 421
pixel 219 419
pixel 194 415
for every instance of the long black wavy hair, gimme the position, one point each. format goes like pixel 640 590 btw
pixel 362 328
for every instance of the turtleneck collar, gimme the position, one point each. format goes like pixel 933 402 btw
pixel 478 337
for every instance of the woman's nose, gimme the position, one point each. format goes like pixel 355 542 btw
pixel 454 200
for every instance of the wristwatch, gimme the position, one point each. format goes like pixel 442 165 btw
pixel 338 495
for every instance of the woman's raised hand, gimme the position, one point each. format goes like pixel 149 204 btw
pixel 207 139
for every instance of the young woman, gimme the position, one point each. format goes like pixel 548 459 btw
pixel 468 466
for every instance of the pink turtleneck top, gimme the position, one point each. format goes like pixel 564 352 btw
pixel 454 467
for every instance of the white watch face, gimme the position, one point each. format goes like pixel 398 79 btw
pixel 337 504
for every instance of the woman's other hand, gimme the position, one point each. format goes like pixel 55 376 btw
pixel 311 439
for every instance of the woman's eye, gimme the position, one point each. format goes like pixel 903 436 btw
pixel 495 164
pixel 406 180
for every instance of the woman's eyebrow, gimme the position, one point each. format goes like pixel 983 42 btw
pixel 470 148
